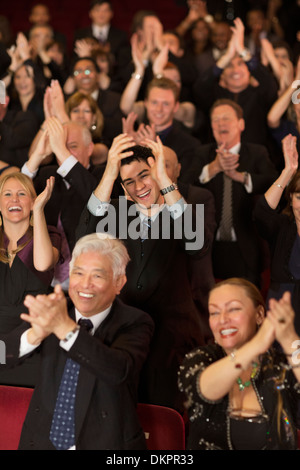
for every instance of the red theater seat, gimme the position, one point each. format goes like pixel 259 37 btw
pixel 164 428
pixel 14 402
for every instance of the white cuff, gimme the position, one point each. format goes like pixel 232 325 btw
pixel 204 177
pixel 249 185
pixel 25 346
pixel 27 172
pixel 176 210
pixel 67 166
pixel 97 207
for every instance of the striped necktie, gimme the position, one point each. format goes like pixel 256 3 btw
pixel 225 228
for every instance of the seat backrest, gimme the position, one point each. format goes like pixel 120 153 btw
pixel 14 402
pixel 164 427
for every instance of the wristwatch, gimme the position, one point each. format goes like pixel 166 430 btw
pixel 169 189
pixel 71 334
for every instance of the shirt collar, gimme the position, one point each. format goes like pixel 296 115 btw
pixel 95 94
pixel 100 29
pixel 236 148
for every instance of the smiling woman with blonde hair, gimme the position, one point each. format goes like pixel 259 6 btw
pixel 29 250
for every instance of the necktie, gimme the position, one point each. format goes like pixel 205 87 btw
pixel 62 432
pixel 145 228
pixel 226 219
pixel 101 37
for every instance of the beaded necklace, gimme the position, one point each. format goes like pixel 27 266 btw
pixel 246 384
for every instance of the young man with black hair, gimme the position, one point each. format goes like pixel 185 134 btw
pixel 157 276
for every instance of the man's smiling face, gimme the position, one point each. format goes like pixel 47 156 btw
pixel 138 184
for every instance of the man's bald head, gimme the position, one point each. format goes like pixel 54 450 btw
pixel 173 166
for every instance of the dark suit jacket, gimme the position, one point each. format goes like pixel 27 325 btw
pixel 200 270
pixel 253 159
pixel 158 283
pixel 280 232
pixel 69 202
pixel 107 388
pixel 109 103
pixel 187 149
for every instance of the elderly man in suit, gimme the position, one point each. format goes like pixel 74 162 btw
pixel 92 352
pixel 158 278
pixel 235 172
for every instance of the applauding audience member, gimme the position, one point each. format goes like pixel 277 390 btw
pixel 29 252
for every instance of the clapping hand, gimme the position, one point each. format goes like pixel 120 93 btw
pixel 282 315
pixel 48 314
pixel 290 153
pixel 143 132
pixel 44 196
pixel 157 164
pixel 117 152
pixel 227 161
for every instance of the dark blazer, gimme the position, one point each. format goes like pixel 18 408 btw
pixel 200 269
pixel 280 232
pixel 106 398
pixel 68 202
pixel 187 149
pixel 158 283
pixel 109 103
pixel 253 159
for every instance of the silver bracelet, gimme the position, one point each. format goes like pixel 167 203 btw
pixel 233 359
pixel 278 186
pixel 137 76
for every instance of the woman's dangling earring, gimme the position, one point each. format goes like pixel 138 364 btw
pixel 1 221
pixel 93 127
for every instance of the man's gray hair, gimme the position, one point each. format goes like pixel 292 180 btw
pixel 105 245
pixel 85 132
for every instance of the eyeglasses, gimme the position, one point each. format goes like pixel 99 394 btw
pixel 86 72
pixel 77 111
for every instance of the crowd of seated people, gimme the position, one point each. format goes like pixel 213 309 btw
pixel 206 113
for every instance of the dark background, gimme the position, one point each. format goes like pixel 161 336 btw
pixel 69 15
